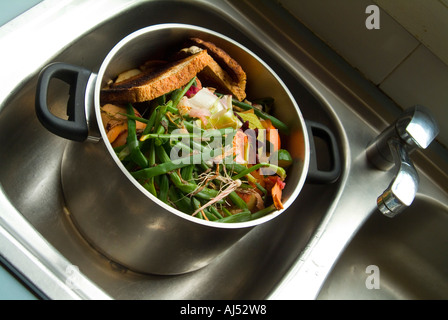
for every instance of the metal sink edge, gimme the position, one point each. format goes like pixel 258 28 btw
pixel 44 266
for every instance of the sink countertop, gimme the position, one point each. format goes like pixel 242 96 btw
pixel 11 9
pixel 12 288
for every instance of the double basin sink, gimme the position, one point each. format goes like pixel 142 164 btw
pixel 332 243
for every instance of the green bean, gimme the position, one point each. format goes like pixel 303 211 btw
pixel 236 199
pixel 179 201
pixel 149 184
pixel 188 187
pixel 156 117
pixel 158 114
pixel 170 135
pixel 196 205
pixel 183 146
pixel 172 109
pixel 151 122
pixel 160 131
pixel 162 155
pixel 160 169
pixel 132 141
pixel 187 173
pixel 226 211
pixel 139 119
pixel 161 111
pixel 209 214
pixel 191 188
pixel 237 217
pixel 246 215
pixel 119 149
pixel 152 154
pixel 191 127
pixel 279 170
pixel 150 187
pixel 239 168
pixel 215 212
pixel 203 135
pixel 161 123
pixel 261 188
pixel 263 212
pixel 163 188
pixel 123 153
pixel 180 93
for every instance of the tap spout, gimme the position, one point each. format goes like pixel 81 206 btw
pixel 415 129
pixel 403 188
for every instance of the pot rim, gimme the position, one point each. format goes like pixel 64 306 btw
pixel 234 225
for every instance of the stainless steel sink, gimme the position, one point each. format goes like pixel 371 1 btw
pixel 287 258
pixel 30 177
pixel 408 253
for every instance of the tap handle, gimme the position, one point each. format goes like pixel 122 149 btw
pixel 417 127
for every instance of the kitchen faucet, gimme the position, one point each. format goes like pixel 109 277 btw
pixel 415 128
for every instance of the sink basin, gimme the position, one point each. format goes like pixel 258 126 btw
pixel 408 253
pixel 30 152
pixel 319 248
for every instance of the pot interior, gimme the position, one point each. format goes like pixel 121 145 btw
pixel 159 41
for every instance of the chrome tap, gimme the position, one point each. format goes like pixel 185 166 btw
pixel 415 128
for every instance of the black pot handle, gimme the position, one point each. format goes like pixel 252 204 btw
pixel 75 127
pixel 316 175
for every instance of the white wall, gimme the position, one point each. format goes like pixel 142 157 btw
pixel 407 58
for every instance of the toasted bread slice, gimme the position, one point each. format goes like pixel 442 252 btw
pixel 223 72
pixel 215 76
pixel 230 65
pixel 156 82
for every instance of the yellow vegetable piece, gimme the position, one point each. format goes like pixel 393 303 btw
pixel 254 121
pixel 224 119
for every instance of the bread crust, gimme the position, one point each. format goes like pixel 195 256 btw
pixel 223 72
pixel 213 66
pixel 225 61
pixel 156 82
pixel 215 76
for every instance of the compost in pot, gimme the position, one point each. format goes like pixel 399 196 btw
pixel 200 145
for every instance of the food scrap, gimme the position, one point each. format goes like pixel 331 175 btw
pixel 186 131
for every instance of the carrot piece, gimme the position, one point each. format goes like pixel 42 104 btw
pixel 260 178
pixel 121 139
pixel 116 124
pixel 239 145
pixel 248 198
pixel 115 131
pixel 276 192
pixel 270 181
pixel 252 199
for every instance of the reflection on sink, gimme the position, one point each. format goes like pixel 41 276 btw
pixel 265 253
pixel 409 250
